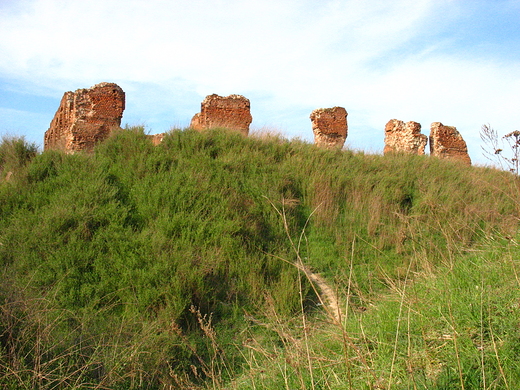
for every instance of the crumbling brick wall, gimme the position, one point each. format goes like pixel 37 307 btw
pixel 330 127
pixel 446 142
pixel 403 137
pixel 231 112
pixel 85 117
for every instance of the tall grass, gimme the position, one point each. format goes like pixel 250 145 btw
pixel 15 154
pixel 172 266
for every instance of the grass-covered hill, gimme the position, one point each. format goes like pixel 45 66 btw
pixel 187 266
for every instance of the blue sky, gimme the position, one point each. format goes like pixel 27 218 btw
pixel 450 61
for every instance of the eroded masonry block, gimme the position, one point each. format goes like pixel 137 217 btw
pixel 330 127
pixel 86 117
pixel 446 142
pixel 231 112
pixel 403 137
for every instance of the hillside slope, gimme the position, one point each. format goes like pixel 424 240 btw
pixel 183 265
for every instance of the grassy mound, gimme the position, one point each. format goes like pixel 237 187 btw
pixel 174 266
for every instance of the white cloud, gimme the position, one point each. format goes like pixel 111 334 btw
pixel 211 42
pixel 380 59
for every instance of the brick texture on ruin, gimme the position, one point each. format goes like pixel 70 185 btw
pixel 403 137
pixel 330 127
pixel 231 112
pixel 447 142
pixel 85 117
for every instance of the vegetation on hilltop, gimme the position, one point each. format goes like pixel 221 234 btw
pixel 173 266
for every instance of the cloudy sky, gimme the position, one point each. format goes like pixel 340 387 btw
pixel 450 61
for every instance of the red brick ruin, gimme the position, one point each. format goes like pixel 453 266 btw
pixel 403 137
pixel 330 127
pixel 85 118
pixel 231 112
pixel 88 116
pixel 446 142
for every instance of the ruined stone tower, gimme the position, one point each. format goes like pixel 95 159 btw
pixel 85 117
pixel 231 112
pixel 403 137
pixel 446 142
pixel 330 127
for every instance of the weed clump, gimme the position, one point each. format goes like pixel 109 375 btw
pixel 15 154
